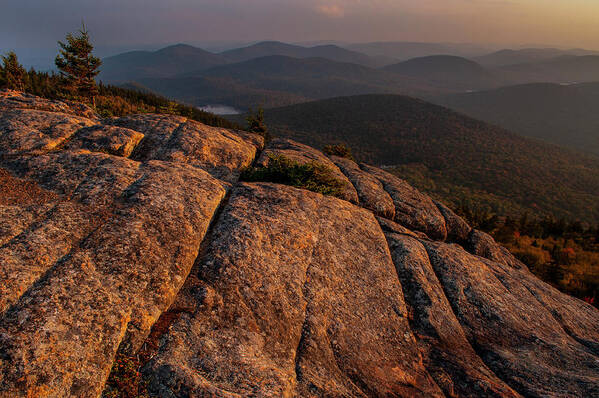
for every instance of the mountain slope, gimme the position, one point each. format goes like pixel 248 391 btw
pixel 166 62
pixel 564 69
pixel 564 115
pixel 449 154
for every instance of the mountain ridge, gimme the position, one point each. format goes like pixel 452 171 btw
pixel 168 61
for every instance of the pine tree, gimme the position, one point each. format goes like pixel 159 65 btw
pixel 256 123
pixel 12 72
pixel 77 64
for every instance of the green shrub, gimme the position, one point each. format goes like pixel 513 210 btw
pixel 312 176
pixel 340 150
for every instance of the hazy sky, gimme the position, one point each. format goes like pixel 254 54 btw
pixel 124 23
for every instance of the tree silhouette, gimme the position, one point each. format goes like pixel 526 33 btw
pixel 77 64
pixel 256 123
pixel 12 72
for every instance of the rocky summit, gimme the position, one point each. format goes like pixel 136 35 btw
pixel 121 234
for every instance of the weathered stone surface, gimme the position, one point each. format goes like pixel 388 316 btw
pixel 15 219
pixel 94 247
pixel 219 151
pixel 292 285
pixel 304 154
pixel 113 140
pixel 516 335
pixel 102 225
pixel 254 139
pixel 458 230
pixel 412 208
pixel 577 318
pixel 21 203
pixel 370 190
pixel 10 99
pixel 85 186
pixel 484 245
pixel 448 356
pixel 59 338
pixel 395 228
pixel 35 131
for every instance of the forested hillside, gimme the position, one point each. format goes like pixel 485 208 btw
pixel 450 155
pixel 567 115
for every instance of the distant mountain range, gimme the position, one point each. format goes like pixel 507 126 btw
pixel 280 80
pixel 403 51
pixel 167 62
pixel 276 74
pixel 508 57
pixel 448 154
pixel 331 52
pixel 181 58
pixel 563 114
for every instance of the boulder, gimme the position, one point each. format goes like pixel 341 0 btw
pixel 483 244
pixel 108 286
pixel 221 152
pixel 33 131
pixel 113 140
pixel 370 190
pixel 413 209
pixel 458 230
pixel 10 99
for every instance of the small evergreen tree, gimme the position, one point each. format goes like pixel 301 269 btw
pixel 77 64
pixel 256 123
pixel 12 72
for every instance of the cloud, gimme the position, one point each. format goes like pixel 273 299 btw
pixel 331 10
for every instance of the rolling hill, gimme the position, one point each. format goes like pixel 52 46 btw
pixel 447 72
pixel 450 155
pixel 567 115
pixel 275 74
pixel 403 51
pixel 507 57
pixel 331 52
pixel 278 80
pixel 181 59
pixel 166 62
